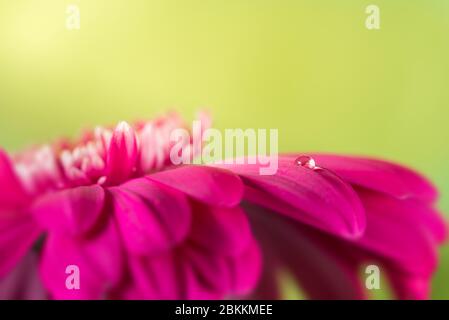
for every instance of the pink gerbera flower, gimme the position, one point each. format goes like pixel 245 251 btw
pixel 138 227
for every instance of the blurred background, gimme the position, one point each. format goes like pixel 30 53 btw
pixel 309 68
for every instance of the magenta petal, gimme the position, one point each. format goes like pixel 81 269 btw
pixel 224 230
pixel 413 210
pixel 211 269
pixel 195 288
pixel 122 154
pixel 315 197
pixel 128 290
pixel 393 233
pixel 189 272
pixel 410 287
pixel 157 277
pixel 12 195
pixel 268 286
pixel 379 175
pixel 152 217
pixel 99 259
pixel 17 235
pixel 246 269
pixel 23 282
pixel 319 269
pixel 74 211
pixel 435 223
pixel 209 185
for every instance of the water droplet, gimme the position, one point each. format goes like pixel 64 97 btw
pixel 306 161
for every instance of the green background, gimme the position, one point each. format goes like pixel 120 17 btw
pixel 309 68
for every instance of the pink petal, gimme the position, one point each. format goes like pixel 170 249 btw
pixel 157 277
pixel 122 154
pixel 195 288
pixel 435 223
pixel 393 233
pixel 221 259
pixel 218 259
pixel 23 282
pixel 379 175
pixel 315 197
pixel 128 290
pixel 12 194
pixel 99 259
pixel 268 286
pixel 74 211
pixel 152 217
pixel 190 272
pixel 413 210
pixel 246 269
pixel 183 273
pixel 410 287
pixel 224 230
pixel 17 235
pixel 209 185
pixel 206 270
pixel 320 271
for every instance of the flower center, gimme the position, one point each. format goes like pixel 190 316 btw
pixel 84 162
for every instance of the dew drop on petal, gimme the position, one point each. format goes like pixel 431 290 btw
pixel 306 161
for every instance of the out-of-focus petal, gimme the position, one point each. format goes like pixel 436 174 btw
pixel 410 287
pixel 12 193
pixel 379 175
pixel 152 217
pixel 246 269
pixel 74 211
pixel 224 230
pixel 392 233
pixel 321 272
pixel 23 282
pixel 411 211
pixel 18 232
pixel 268 287
pixel 157 277
pixel 99 259
pixel 214 272
pixel 190 273
pixel 315 197
pixel 209 185
pixel 218 259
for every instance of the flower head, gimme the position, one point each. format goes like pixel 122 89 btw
pixel 138 226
